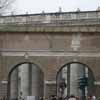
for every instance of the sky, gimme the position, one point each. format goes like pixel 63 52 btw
pixel 37 6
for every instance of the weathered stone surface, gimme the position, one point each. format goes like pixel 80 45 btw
pixel 50 47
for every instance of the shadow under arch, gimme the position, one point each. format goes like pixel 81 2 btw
pixel 68 64
pixel 11 71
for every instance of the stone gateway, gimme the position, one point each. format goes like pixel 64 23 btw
pixel 34 48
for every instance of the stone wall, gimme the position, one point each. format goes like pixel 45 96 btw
pixel 50 51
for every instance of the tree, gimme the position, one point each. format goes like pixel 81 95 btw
pixel 4 5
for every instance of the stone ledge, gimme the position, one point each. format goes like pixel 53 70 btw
pixel 67 28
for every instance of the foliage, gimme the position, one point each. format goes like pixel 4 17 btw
pixel 5 5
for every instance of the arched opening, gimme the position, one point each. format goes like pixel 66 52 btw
pixel 75 78
pixel 25 80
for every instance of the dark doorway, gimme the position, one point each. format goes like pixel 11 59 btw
pixel 25 80
pixel 75 78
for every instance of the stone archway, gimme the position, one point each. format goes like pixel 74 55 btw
pixel 68 80
pixel 25 79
